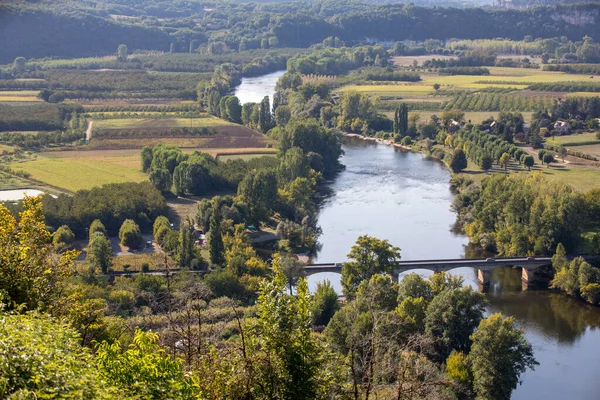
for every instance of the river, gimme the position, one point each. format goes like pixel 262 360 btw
pixel 405 198
pixel 253 90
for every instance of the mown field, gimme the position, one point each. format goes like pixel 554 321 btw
pixel 74 172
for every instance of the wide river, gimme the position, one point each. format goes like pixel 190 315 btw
pixel 405 198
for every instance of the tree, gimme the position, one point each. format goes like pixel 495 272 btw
pixel 562 151
pixel 486 163
pixel 452 316
pixel 99 252
pixel 436 86
pixel 186 246
pixel 283 115
pixel 325 304
pixel 215 240
pixel 122 53
pixel 19 64
pixel 265 118
pixel 528 161
pixel 130 235
pixel 144 369
pixel 62 238
pixel 559 259
pixel 541 154
pixel 504 160
pixel 401 120
pixel 459 161
pixel 499 355
pixel 159 223
pixel 97 227
pixel 284 336
pixel 41 358
pixel 548 158
pixel 293 269
pixel 369 256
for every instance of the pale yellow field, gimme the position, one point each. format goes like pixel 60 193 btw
pixel 18 98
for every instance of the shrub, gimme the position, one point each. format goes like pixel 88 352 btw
pixel 130 234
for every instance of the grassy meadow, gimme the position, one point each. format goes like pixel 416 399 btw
pixel 77 171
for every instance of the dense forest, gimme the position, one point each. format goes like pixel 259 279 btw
pixel 97 28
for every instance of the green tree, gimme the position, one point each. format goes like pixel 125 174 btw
pixel 144 370
pixel 97 227
pixel 368 256
pixel 459 161
pixel 284 335
pixel 19 64
pixel 452 316
pixel 528 161
pixel 40 358
pixel 146 158
pixel 562 151
pixel 30 273
pixel 122 53
pixel 458 369
pixel 159 223
pixel 504 160
pixel 130 235
pixel 401 120
pixel 499 355
pixel 548 158
pixel 186 248
pixel 283 115
pixel 265 119
pixel 99 252
pixel 215 239
pixel 292 268
pixel 486 162
pixel 62 238
pixel 559 259
pixel 325 304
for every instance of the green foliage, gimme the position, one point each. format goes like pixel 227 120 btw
pixel 458 368
pixel 517 215
pixel 63 237
pixel 111 204
pixel 324 304
pixel 144 369
pixel 368 256
pixel 41 358
pixel 499 355
pixel 97 227
pixel 459 161
pixel 160 223
pixel 577 278
pixel 215 239
pixel 99 252
pixel 30 275
pixel 452 316
pixel 130 235
pixel 284 335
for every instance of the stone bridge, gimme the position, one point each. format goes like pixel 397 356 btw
pixel 483 265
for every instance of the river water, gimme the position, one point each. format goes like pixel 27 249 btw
pixel 405 198
pixel 253 90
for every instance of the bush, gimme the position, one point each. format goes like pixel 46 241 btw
pixel 63 237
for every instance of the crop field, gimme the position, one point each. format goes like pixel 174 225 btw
pixel 74 171
pixel 156 123
pixel 505 89
pixel 575 139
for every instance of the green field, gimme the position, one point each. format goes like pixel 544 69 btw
pixel 142 123
pixel 75 173
pixel 499 78
pixel 575 139
pixel 245 157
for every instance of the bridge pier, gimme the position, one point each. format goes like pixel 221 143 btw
pixel 483 277
pixel 527 276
